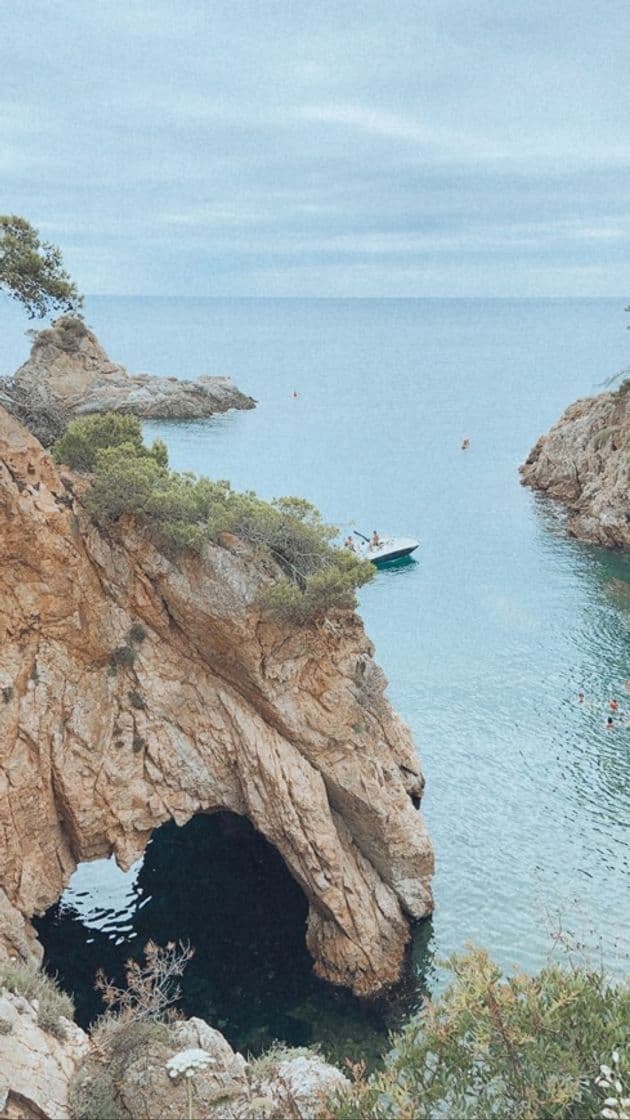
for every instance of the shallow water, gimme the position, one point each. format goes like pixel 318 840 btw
pixel 489 635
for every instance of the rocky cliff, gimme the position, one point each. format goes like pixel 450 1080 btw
pixel 584 462
pixel 68 372
pixel 134 690
pixel 123 1069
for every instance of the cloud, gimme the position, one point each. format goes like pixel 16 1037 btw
pixel 317 148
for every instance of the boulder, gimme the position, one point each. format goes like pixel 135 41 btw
pixel 69 374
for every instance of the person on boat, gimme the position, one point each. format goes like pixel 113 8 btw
pixel 349 543
pixel 580 697
pixel 375 540
pixel 465 443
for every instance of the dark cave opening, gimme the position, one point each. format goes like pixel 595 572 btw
pixel 218 885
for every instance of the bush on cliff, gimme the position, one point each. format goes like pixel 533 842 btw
pixel 29 981
pixel 185 512
pixel 492 1048
pixel 83 439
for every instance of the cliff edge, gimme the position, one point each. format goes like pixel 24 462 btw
pixel 584 462
pixel 135 689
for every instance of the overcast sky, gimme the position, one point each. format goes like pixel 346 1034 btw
pixel 271 147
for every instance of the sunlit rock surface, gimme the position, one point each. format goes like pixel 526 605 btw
pixel 212 707
pixel 68 370
pixel 584 462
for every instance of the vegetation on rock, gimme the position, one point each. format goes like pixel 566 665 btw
pixel 491 1048
pixel 185 512
pixel 31 270
pixel 29 981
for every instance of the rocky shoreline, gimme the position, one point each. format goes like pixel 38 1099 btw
pixel 69 374
pixel 136 689
pixel 54 1070
pixel 584 463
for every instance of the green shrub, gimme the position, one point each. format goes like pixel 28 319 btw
pixel 5 1026
pixel 92 1095
pixel 136 699
pixel 332 587
pixel 499 1049
pixel 30 982
pixel 183 512
pixel 7 694
pixel 86 436
pixel 136 633
pixel 123 656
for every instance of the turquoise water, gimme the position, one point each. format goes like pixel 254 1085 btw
pixel 488 637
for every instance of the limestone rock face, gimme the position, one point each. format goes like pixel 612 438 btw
pixel 69 372
pixel 126 1073
pixel 104 735
pixel 584 461
pixel 35 1067
pixel 296 1085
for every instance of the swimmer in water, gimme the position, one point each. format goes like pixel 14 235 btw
pixel 609 724
pixel 614 705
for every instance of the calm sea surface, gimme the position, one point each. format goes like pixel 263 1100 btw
pixel 486 638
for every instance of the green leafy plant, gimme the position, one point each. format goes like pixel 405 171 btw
pixel 31 270
pixel 184 513
pixel 495 1048
pixel 85 437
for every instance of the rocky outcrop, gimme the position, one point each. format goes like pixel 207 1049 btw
pixel 36 1068
pixel 135 1070
pixel 584 462
pixel 135 689
pixel 69 374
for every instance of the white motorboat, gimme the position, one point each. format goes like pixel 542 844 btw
pixel 387 549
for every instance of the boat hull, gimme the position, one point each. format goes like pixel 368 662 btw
pixel 389 549
pixel 397 555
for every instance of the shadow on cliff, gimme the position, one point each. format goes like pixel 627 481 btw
pixel 219 885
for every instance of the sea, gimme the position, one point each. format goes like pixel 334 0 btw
pixel 486 635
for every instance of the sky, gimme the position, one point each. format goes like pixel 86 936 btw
pixel 309 148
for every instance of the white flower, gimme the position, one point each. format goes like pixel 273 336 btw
pixel 608 1114
pixel 606 1071
pixel 186 1062
pixel 615 1057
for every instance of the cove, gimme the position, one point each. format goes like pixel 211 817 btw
pixel 218 885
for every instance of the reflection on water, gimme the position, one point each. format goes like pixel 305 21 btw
pixel 218 885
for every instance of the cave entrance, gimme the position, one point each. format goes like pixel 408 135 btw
pixel 219 885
